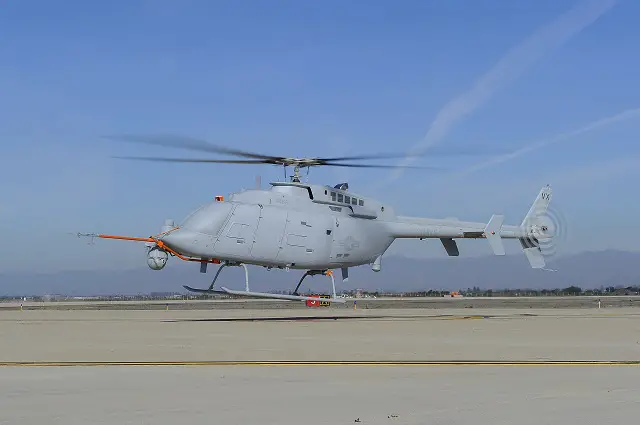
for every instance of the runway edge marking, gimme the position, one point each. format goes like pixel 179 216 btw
pixel 328 363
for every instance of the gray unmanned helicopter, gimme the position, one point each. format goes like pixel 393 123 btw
pixel 311 227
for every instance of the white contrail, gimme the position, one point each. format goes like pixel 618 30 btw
pixel 622 116
pixel 509 68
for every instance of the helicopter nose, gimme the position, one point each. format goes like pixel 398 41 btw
pixel 184 241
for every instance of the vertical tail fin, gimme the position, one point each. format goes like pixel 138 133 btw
pixel 538 208
pixel 533 226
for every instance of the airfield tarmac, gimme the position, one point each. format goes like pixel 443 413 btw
pixel 321 366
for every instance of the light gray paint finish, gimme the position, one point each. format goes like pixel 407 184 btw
pixel 236 239
pixel 209 218
pixel 358 241
pixel 306 240
pixel 269 235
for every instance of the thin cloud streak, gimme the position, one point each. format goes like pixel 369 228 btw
pixel 517 60
pixel 622 116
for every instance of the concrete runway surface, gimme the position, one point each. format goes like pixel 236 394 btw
pixel 395 303
pixel 197 388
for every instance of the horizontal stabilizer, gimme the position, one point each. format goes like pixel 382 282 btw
pixel 492 233
pixel 450 246
pixel 535 257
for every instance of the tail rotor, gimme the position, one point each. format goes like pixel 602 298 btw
pixel 536 227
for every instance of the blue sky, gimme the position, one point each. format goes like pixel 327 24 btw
pixel 313 78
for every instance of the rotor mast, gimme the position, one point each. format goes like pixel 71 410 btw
pixel 297 164
pixel 295 178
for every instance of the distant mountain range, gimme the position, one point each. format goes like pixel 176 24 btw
pixel 586 270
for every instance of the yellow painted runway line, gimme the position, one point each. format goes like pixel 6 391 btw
pixel 328 363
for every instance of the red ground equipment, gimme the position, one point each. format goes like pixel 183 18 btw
pixel 318 303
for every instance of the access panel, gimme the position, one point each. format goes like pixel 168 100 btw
pixel 306 241
pixel 237 237
pixel 268 238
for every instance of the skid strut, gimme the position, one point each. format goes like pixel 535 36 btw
pixel 213 282
pixel 333 283
pixel 313 273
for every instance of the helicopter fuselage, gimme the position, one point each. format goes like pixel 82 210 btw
pixel 290 226
pixel 315 227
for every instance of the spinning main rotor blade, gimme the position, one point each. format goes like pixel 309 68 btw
pixel 272 162
pixel 439 151
pixel 183 142
pixel 418 167
pixel 218 161
pixel 189 143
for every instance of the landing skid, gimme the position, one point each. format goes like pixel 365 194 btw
pixel 250 294
pixel 204 291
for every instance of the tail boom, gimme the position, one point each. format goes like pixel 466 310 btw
pixel 529 232
pixel 425 228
